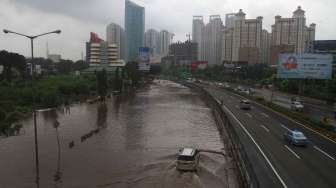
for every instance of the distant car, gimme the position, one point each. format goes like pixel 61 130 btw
pixel 187 159
pixel 227 85
pixel 239 89
pixel 246 91
pixel 297 106
pixel 296 138
pixel 245 104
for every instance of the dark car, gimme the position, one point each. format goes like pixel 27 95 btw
pixel 296 138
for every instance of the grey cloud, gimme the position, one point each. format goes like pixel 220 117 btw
pixel 101 11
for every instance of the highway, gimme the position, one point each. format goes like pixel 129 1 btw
pixel 276 163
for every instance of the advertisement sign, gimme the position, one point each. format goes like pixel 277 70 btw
pixel 199 65
pixel 144 54
pixel 305 66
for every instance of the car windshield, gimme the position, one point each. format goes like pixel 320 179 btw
pixel 185 158
pixel 298 135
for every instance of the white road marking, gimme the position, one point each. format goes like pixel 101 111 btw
pixel 265 128
pixel 296 155
pixel 325 153
pixel 283 126
pixel 262 113
pixel 249 115
pixel 257 145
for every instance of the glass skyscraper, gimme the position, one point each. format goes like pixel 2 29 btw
pixel 135 29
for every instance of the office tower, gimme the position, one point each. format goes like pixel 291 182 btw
pixel 135 29
pixel 241 39
pixel 197 27
pixel 115 34
pixel 291 35
pixel 99 52
pixel 152 41
pixel 212 40
pixel 265 47
pixel 165 39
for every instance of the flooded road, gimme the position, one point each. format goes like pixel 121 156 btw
pixel 131 141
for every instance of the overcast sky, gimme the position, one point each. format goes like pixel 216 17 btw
pixel 76 18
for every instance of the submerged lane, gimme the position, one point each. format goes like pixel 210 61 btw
pixel 135 146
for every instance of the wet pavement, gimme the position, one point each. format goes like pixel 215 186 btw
pixel 131 141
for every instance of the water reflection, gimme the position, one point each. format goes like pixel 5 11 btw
pixel 101 115
pixel 58 172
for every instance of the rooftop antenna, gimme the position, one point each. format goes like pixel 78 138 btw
pixel 47 50
pixel 188 35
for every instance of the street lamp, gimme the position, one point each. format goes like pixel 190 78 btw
pixel 6 31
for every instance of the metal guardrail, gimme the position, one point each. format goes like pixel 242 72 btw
pixel 231 139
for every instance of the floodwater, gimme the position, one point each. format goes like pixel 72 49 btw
pixel 131 141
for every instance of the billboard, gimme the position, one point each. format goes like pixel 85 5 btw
pixel 199 65
pixel 305 66
pixel 144 54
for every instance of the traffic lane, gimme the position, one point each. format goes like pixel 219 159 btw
pixel 295 171
pixel 324 143
pixel 280 128
pixel 311 158
pixel 261 169
pixel 321 141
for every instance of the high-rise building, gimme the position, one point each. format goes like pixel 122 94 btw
pixel 291 34
pixel 241 39
pixel 152 41
pixel 197 27
pixel 230 20
pixel 265 47
pixel 99 52
pixel 135 29
pixel 212 40
pixel 115 34
pixel 165 39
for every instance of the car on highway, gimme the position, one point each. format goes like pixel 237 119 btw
pixel 295 137
pixel 297 106
pixel 187 159
pixel 226 85
pixel 245 104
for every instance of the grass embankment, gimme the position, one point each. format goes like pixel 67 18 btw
pixel 16 99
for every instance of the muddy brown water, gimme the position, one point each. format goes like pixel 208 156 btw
pixel 135 143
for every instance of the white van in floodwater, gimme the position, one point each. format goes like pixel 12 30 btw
pixel 187 159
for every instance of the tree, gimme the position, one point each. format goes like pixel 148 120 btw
pixel 79 65
pixel 64 66
pixel 11 61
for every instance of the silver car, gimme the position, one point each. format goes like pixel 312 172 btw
pixel 296 138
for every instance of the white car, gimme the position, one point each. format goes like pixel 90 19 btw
pixel 297 106
pixel 245 104
pixel 187 159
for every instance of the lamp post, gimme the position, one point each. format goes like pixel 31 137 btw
pixel 33 93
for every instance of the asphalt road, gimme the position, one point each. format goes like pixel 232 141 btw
pixel 276 163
